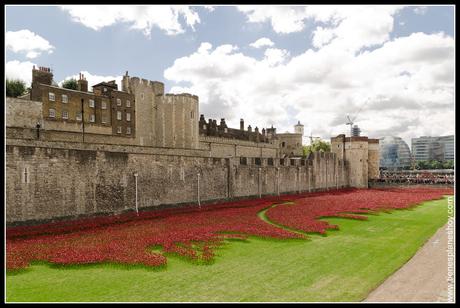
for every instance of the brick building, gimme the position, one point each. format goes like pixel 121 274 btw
pixel 104 108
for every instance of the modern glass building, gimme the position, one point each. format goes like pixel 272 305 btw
pixel 433 148
pixel 394 153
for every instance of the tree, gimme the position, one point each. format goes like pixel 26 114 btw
pixel 316 146
pixel 15 87
pixel 448 164
pixel 70 84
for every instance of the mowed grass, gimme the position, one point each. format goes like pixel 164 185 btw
pixel 345 265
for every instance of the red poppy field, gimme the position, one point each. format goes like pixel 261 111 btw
pixel 195 233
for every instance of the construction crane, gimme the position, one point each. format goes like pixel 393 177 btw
pixel 351 121
pixel 311 138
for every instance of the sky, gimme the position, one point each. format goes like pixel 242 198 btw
pixel 389 68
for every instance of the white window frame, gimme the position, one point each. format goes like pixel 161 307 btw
pixel 66 113
pixel 78 116
pixel 66 100
pixel 119 116
pixel 118 101
pixel 119 130
pixel 128 103
pixel 128 117
pixel 103 105
pixel 52 113
pixel 51 97
pixel 92 118
pixel 91 103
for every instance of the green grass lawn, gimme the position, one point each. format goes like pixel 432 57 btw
pixel 345 265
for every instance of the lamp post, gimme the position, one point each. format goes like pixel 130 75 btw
pixel 198 189
pixel 83 119
pixel 137 210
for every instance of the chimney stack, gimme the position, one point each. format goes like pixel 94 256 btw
pixel 241 124
pixel 82 83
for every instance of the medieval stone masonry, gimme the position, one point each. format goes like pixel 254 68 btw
pixel 74 153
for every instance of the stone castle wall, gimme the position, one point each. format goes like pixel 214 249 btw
pixel 57 180
pixel 222 147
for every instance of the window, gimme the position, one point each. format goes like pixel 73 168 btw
pixel 91 103
pixel 78 117
pixel 65 114
pixel 52 113
pixel 104 119
pixel 128 116
pixel 243 161
pixel 128 103
pixel 118 102
pixel 118 115
pixel 191 114
pixel 119 130
pixel 25 178
pixel 128 130
pixel 65 99
pixel 103 105
pixel 51 96
pixel 92 118
pixel 283 144
pixel 105 89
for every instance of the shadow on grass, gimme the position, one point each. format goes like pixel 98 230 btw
pixel 111 265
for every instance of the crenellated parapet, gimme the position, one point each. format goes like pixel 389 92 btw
pixel 211 128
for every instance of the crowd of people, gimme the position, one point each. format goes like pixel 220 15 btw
pixel 417 178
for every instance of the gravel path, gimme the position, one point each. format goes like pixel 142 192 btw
pixel 422 279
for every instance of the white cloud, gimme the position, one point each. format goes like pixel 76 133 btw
pixel 355 26
pixel 274 56
pixel 142 18
pixel 210 8
pixel 19 70
pixel 262 42
pixel 94 79
pixel 420 10
pixel 407 81
pixel 26 41
pixel 322 36
pixel 283 19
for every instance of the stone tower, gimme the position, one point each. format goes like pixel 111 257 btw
pixel 163 120
pixel 298 128
pixel 361 155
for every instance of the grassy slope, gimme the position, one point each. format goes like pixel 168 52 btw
pixel 343 266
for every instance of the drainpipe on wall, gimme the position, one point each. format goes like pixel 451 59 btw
pixel 137 210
